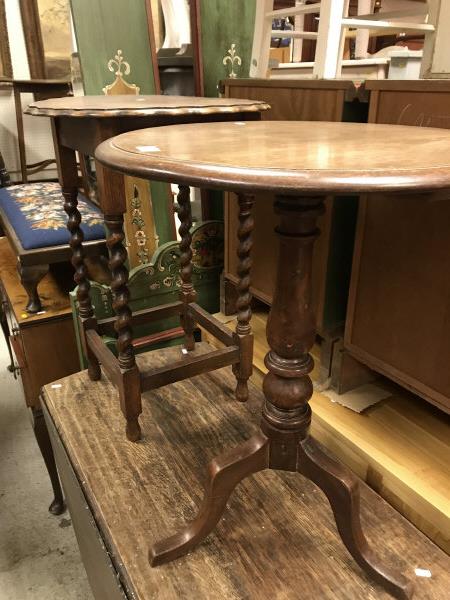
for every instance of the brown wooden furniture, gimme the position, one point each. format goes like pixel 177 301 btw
pixel 44 347
pixel 34 263
pixel 298 100
pixel 399 274
pixel 329 158
pixel 80 124
pixel 278 535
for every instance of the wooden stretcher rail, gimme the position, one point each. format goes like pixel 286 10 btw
pixel 184 369
pixel 211 324
pixel 143 316
pixel 107 359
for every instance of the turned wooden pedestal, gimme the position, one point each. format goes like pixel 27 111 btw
pixel 315 159
pixel 80 124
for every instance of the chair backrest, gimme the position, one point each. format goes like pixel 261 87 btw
pixel 333 24
pixel 4 175
pixel 45 89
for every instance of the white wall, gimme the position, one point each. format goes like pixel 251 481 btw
pixel 38 139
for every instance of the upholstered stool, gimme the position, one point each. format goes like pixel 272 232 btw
pixel 33 218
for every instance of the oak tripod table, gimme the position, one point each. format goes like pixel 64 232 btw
pixel 80 124
pixel 301 163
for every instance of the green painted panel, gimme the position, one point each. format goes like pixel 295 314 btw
pixel 225 22
pixel 104 26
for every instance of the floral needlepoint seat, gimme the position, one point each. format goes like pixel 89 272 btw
pixel 36 213
pixel 32 216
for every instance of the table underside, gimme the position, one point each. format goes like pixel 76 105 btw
pixel 277 535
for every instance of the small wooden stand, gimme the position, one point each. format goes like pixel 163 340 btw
pixel 80 124
pixel 319 159
pixel 123 370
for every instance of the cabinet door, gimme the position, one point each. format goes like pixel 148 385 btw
pixel 398 321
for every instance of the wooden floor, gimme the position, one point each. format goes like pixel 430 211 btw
pixel 400 446
pixel 277 538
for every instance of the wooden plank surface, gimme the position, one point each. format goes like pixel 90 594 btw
pixel 277 538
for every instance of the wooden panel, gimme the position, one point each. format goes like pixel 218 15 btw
pixel 293 104
pixel 141 492
pixel 105 26
pixel 223 24
pixel 398 320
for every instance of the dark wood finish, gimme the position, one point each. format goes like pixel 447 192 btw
pixel 184 369
pixel 244 336
pixel 400 249
pixel 105 107
pixel 187 291
pixel 218 330
pixel 320 161
pixel 122 499
pixel 57 507
pixel 44 348
pixel 80 124
pixel 144 316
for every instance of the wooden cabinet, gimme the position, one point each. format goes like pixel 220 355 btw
pixel 398 318
pixel 297 100
pixel 43 346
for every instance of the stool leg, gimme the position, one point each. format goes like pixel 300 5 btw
pixel 187 291
pixel 244 336
pixel 81 278
pixel 30 276
pixel 129 389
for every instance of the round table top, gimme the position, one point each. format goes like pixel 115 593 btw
pixel 139 106
pixel 286 156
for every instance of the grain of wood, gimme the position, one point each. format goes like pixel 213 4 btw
pixel 277 535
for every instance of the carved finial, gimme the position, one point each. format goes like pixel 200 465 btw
pixel 120 67
pixel 233 59
pixel 118 63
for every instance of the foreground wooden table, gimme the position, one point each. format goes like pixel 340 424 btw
pixel 80 124
pixel 301 163
pixel 278 538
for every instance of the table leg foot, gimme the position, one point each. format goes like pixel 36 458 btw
pixel 57 507
pixel 342 490
pixel 94 370
pixel 225 472
pixel 133 430
pixel 242 390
